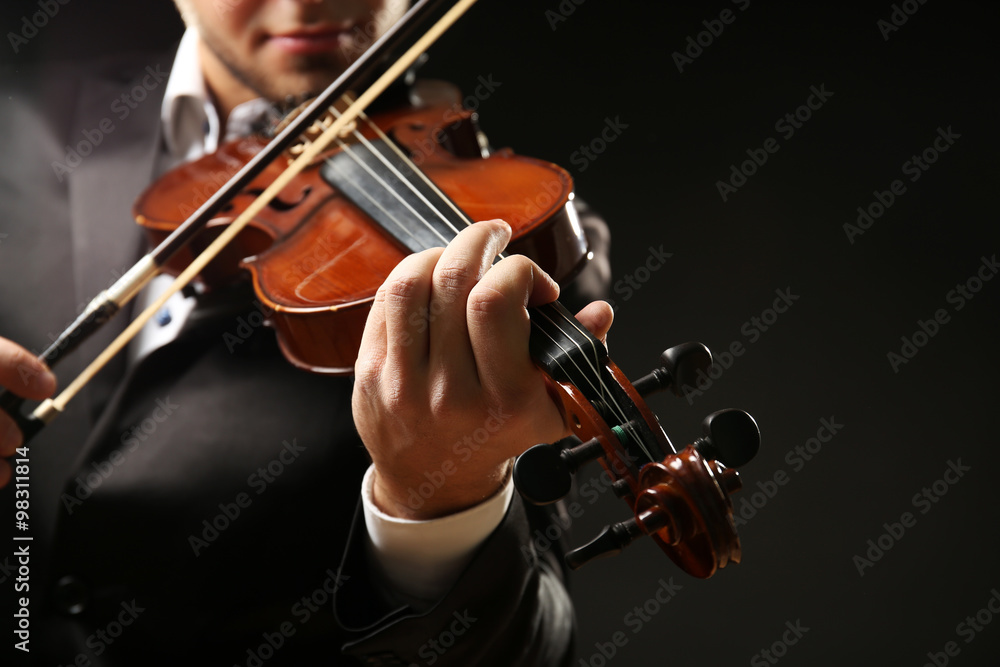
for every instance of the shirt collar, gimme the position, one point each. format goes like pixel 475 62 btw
pixel 189 118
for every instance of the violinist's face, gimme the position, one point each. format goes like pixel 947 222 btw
pixel 277 48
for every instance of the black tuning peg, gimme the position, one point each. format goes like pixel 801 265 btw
pixel 544 473
pixel 731 437
pixel 679 367
pixel 611 541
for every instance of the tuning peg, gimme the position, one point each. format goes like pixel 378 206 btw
pixel 731 437
pixel 611 541
pixel 617 536
pixel 679 367
pixel 544 473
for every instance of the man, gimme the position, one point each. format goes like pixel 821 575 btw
pixel 199 517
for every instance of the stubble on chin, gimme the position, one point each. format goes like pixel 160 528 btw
pixel 302 76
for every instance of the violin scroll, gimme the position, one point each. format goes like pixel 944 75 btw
pixel 685 504
pixel 682 500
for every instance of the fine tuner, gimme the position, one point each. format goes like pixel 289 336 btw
pixel 682 501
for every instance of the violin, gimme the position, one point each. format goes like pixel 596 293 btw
pixel 317 254
pixel 318 216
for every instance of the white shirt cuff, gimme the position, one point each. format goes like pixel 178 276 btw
pixel 420 560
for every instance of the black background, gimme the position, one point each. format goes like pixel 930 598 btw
pixel 827 356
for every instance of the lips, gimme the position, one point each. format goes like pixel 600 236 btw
pixel 316 39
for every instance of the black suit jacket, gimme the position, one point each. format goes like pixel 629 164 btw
pixel 202 504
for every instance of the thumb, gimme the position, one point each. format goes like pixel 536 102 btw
pixel 597 316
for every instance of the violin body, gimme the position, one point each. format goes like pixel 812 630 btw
pixel 316 259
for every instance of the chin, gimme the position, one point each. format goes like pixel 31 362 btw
pixel 306 87
pixel 283 82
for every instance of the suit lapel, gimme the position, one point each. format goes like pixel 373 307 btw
pixel 121 136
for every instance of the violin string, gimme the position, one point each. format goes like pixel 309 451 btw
pixel 403 178
pixel 602 389
pixel 419 172
pixel 374 202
